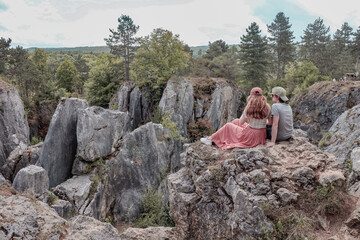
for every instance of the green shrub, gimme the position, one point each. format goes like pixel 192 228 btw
pixel 153 212
pixel 35 140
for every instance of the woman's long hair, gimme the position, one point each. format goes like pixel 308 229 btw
pixel 257 107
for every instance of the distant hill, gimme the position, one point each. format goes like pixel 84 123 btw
pixel 96 49
pixel 104 49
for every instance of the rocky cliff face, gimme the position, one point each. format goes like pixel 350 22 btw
pixel 14 133
pixel 188 99
pixel 244 194
pixel 317 110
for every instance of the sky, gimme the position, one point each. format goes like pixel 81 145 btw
pixel 77 23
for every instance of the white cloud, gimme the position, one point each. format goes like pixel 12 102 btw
pixel 334 13
pixel 86 22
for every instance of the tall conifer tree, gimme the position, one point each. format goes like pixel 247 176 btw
pixel 281 42
pixel 254 57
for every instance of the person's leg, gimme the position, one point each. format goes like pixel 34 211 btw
pixel 268 131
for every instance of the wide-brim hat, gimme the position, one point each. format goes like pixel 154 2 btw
pixel 281 92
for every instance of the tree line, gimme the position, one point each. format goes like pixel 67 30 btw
pixel 151 60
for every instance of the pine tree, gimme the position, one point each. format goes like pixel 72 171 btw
pixel 315 46
pixel 254 57
pixel 4 49
pixel 216 49
pixel 67 76
pixel 281 43
pixel 122 42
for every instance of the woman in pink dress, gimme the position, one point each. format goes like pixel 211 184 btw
pixel 248 131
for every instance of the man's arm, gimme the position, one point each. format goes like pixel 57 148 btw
pixel 274 131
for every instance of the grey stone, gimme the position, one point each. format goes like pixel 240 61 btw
pixel 99 132
pixel 13 124
pixel 286 196
pixel 2 179
pixel 304 176
pixel 60 145
pixel 32 179
pixel 335 178
pixel 75 190
pixel 63 208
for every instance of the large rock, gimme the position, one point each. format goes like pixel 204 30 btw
pixel 60 145
pixel 317 110
pixel 189 99
pixel 14 131
pixel 99 132
pixel 178 100
pixel 145 157
pixel 131 99
pixel 25 218
pixel 32 179
pixel 344 134
pixel 20 158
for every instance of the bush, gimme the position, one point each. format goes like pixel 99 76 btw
pixel 153 212
pixel 199 129
pixel 35 140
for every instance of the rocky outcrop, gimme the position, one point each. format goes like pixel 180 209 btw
pixel 146 156
pixel 60 145
pixel 14 131
pixel 223 194
pixel 317 110
pixel 39 118
pixel 153 233
pixel 99 132
pixel 19 159
pixel 344 135
pixel 25 218
pixel 188 99
pixel 132 99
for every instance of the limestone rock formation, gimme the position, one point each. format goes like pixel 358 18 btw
pixel 25 218
pixel 223 194
pixel 317 110
pixel 344 134
pixel 60 145
pixel 33 180
pixel 14 133
pixel 19 159
pixel 99 132
pixel 133 100
pixel 188 99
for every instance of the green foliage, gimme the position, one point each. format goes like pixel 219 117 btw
pixel 281 43
pixel 216 49
pixel 201 127
pixel 52 198
pixel 104 80
pixel 35 140
pixel 153 212
pixel 325 140
pixel 4 50
pixel 348 165
pixel 160 56
pixel 67 76
pixel 315 46
pixel 254 57
pixel 171 125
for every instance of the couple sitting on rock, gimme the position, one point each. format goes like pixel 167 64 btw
pixel 257 123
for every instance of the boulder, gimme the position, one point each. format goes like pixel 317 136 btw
pixel 32 179
pixel 14 127
pixel 99 132
pixel 286 196
pixel 153 233
pixel 63 208
pixel 343 136
pixel 19 159
pixel 60 145
pixel 2 179
pixel 75 190
pixel 147 154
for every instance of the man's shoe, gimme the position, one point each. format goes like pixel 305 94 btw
pixel 206 141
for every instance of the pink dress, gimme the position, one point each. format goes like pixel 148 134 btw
pixel 234 135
